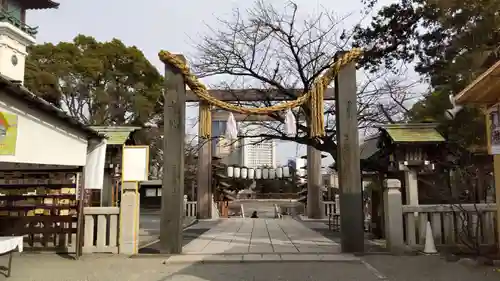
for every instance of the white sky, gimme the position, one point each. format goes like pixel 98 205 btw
pixel 153 25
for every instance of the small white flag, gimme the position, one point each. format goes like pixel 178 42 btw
pixel 231 127
pixel 290 123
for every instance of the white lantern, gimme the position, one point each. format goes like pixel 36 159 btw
pixel 237 172
pixel 286 172
pixel 279 172
pixel 244 173
pixel 265 173
pixel 251 174
pixel 258 174
pixel 272 173
pixel 230 172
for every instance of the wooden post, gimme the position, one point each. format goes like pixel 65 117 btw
pixel 172 203
pixel 496 173
pixel 204 192
pixel 377 206
pixel 314 196
pixel 351 199
pixel 80 215
pixel 496 176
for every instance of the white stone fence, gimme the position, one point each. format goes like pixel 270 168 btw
pixel 101 229
pixel 332 207
pixel 189 207
pixel 451 224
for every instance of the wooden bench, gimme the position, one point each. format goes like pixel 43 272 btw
pixel 9 245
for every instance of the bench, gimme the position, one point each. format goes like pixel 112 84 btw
pixel 8 245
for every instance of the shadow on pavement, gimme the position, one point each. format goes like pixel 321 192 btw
pixel 262 271
pixel 371 246
pixel 188 235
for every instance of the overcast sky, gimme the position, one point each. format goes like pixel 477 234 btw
pixel 152 25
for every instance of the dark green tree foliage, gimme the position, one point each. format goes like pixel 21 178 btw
pixel 466 129
pixel 99 83
pixel 450 42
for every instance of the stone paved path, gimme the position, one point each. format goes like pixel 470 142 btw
pixel 260 236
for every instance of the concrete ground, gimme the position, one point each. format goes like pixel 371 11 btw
pixel 49 267
pixel 149 226
pixel 245 250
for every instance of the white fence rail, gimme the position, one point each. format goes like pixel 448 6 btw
pixel 215 209
pixel 331 207
pixel 189 207
pixel 451 224
pixel 101 229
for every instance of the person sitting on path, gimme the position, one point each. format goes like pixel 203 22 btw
pixel 254 215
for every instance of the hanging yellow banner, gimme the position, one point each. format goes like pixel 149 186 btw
pixel 8 133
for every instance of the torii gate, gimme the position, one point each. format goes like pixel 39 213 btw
pixel 176 97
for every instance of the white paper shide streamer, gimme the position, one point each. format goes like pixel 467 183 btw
pixel 231 127
pixel 290 123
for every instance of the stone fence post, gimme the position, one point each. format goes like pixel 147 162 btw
pixel 129 219
pixel 393 214
pixel 185 205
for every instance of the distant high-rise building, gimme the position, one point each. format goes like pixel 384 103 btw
pixel 257 152
pixel 243 152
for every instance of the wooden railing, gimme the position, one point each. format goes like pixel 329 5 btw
pixel 101 229
pixel 451 224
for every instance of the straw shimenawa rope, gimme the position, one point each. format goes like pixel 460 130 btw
pixel 313 97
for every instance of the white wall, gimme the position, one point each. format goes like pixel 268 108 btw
pixel 43 139
pixel 13 41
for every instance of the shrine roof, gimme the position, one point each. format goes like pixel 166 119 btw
pixel 38 4
pixel 413 133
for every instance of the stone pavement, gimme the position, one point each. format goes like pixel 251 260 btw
pixel 245 250
pixel 253 240
pixel 50 267
pixel 261 236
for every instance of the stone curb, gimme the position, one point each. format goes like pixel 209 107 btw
pixel 254 258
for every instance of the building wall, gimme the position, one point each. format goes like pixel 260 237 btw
pixel 42 139
pixel 13 42
pixel 330 180
pixel 229 151
pixel 299 164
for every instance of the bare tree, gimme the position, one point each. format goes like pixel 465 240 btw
pixel 265 47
